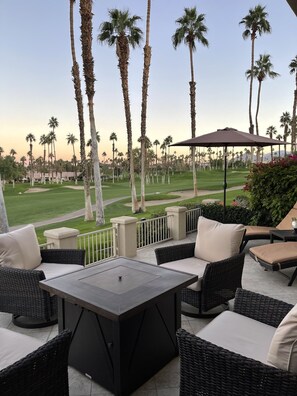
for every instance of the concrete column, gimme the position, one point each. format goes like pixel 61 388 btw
pixel 127 244
pixel 62 238
pixel 177 221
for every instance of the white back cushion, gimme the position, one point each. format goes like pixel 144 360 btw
pixel 20 249
pixel 217 241
pixel 283 348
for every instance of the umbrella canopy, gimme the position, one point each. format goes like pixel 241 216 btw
pixel 228 137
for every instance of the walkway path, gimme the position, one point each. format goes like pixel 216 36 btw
pixel 78 213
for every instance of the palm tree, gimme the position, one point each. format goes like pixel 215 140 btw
pixel 71 139
pixel 293 70
pixel 80 111
pixel 279 138
pixel 43 142
pixel 156 144
pixel 271 130
pixel 88 66
pixel 191 29
pixel 31 138
pixel 12 153
pixel 262 69
pixel 147 54
pixel 285 121
pixel 121 31
pixel 255 24
pixel 1 151
pixel 53 123
pixel 113 137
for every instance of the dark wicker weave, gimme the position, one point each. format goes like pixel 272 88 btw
pixel 207 369
pixel 20 293
pixel 43 372
pixel 220 279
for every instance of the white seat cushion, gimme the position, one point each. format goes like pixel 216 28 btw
pixel 217 241
pixel 20 249
pixel 15 346
pixel 190 265
pixel 283 349
pixel 239 334
pixel 51 270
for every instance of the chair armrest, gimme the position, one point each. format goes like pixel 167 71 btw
pixel 43 371
pixel 261 308
pixel 207 369
pixel 175 252
pixel 63 256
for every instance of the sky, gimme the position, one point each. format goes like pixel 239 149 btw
pixel 36 84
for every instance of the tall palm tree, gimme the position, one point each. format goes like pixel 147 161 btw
pixel 53 123
pixel 31 138
pixel 255 24
pixel 262 69
pixel 12 153
pixel 279 138
pixel 1 151
pixel 293 70
pixel 271 131
pixel 88 66
pixel 113 137
pixel 147 54
pixel 191 30
pixel 43 142
pixel 121 31
pixel 80 112
pixel 71 139
pixel 285 121
pixel 156 144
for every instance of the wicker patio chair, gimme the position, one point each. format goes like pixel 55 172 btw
pixel 43 372
pixel 208 369
pixel 20 293
pixel 218 280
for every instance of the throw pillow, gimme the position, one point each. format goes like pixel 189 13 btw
pixel 20 249
pixel 283 348
pixel 217 241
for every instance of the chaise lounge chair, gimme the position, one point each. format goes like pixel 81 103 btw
pixel 259 232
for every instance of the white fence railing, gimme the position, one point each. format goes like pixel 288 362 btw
pixel 152 231
pixel 192 216
pixel 99 245
pixel 47 245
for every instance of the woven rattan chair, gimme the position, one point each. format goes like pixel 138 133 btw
pixel 21 295
pixel 43 372
pixel 208 369
pixel 218 280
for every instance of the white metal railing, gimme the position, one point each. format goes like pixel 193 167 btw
pixel 150 231
pixel 192 216
pixel 47 245
pixel 99 245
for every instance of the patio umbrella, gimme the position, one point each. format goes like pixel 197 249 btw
pixel 228 137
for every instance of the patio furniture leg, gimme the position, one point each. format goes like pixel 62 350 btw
pixel 293 277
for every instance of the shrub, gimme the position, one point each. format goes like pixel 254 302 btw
pixel 273 190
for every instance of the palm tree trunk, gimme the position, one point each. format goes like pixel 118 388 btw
pixel 193 118
pixel 88 66
pixel 145 77
pixel 80 111
pixel 258 106
pixel 294 119
pixel 251 128
pixel 123 54
pixel 3 216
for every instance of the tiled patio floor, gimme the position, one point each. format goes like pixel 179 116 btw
pixel 166 381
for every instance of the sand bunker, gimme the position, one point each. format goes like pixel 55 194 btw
pixel 81 187
pixel 35 190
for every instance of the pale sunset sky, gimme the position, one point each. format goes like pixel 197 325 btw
pixel 36 84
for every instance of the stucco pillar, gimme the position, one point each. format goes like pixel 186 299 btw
pixel 177 221
pixel 127 244
pixel 62 238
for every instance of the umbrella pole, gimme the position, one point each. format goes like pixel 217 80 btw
pixel 225 181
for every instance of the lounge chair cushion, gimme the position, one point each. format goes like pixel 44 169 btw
pixel 276 253
pixel 258 230
pixel 52 270
pixel 239 334
pixel 286 223
pixel 15 346
pixel 217 241
pixel 283 349
pixel 20 249
pixel 190 265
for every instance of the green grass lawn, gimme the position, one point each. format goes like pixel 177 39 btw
pixel 25 208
